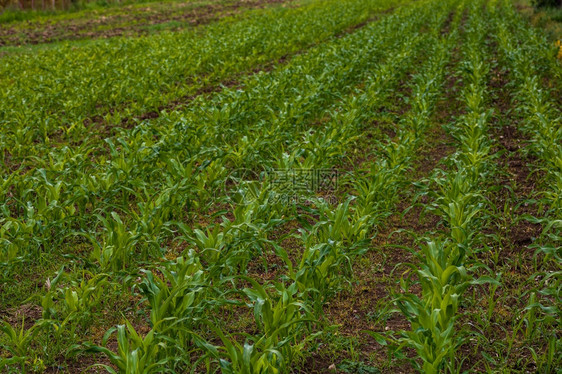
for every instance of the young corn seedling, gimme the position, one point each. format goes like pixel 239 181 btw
pixel 281 320
pixel 443 280
pixel 135 354
pixel 328 249
pixel 459 201
pixel 19 344
pixel 178 298
pixel 118 245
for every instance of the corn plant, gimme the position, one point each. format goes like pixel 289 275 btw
pixel 528 61
pixel 281 320
pixel 18 344
pixel 118 243
pixel 149 172
pixel 135 353
pixel 179 298
pixel 444 279
pixel 458 200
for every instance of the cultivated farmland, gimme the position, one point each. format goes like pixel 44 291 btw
pixel 307 186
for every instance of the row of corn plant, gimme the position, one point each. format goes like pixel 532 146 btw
pixel 69 191
pixel 132 20
pixel 457 197
pixel 258 353
pixel 343 233
pixel 59 88
pixel 528 57
pixel 224 251
pixel 311 278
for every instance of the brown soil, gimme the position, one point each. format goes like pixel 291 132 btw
pixel 439 144
pixel 26 313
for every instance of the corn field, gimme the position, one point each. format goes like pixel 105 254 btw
pixel 307 186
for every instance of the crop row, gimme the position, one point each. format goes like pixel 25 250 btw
pixel 172 161
pixel 198 233
pixel 526 54
pixel 457 195
pixel 210 276
pixel 59 88
pixel 49 196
